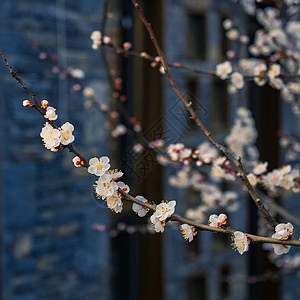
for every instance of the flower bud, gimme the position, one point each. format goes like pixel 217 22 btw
pixel 44 103
pixel 106 40
pixel 27 103
pixel 127 45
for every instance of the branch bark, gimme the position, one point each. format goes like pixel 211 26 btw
pixel 228 230
pixel 236 161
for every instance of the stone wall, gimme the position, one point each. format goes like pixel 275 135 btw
pixel 49 250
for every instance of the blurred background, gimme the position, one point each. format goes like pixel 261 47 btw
pixel 58 240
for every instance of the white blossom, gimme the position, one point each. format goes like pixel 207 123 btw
pixel 260 168
pixel 88 92
pixel 115 203
pixel 105 187
pixel 280 249
pixel 217 221
pixel 27 103
pixel 232 34
pixel 252 179
pixel 119 130
pixel 66 133
pixel 50 136
pixel 259 71
pixel 240 242
pixel 274 71
pixel 227 24
pixel 205 152
pixel 96 37
pixel 162 211
pixel 98 166
pixel 140 210
pixel 77 73
pixel 188 232
pixel 51 113
pixel 124 187
pixel 237 80
pixel 115 174
pixel 284 230
pixel 223 69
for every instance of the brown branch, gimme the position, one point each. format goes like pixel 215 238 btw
pixel 178 65
pixel 20 81
pixel 39 109
pixel 150 58
pixel 282 212
pixel 128 197
pixel 224 150
pixel 228 230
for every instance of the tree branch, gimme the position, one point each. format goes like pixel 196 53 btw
pixel 230 231
pixel 151 207
pixel 236 161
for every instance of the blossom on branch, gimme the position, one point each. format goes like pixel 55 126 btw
pixel 237 80
pixel 282 232
pixel 96 37
pixel 140 210
pixel 124 187
pixel 66 134
pixel 223 70
pixel 27 103
pixel 240 242
pixel 217 221
pixel 163 211
pixel 115 203
pixel 44 104
pixel 51 113
pixel 50 136
pixel 105 187
pixel 77 161
pixel 279 249
pixel 98 166
pixel 260 168
pixel 188 232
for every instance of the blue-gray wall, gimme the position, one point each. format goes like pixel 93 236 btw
pixel 49 250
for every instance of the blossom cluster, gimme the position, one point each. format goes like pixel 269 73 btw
pixel 96 37
pixel 53 137
pixel 275 51
pixel 107 186
pixel 163 211
pixel 282 232
pixel 217 221
pixel 242 136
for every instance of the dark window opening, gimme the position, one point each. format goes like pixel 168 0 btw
pixel 219 107
pixel 193 249
pixel 197 287
pixel 221 243
pixel 192 95
pixel 225 273
pixel 196 36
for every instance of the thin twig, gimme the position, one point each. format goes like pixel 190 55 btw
pixel 20 81
pixel 38 108
pixel 224 150
pixel 178 65
pixel 276 208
